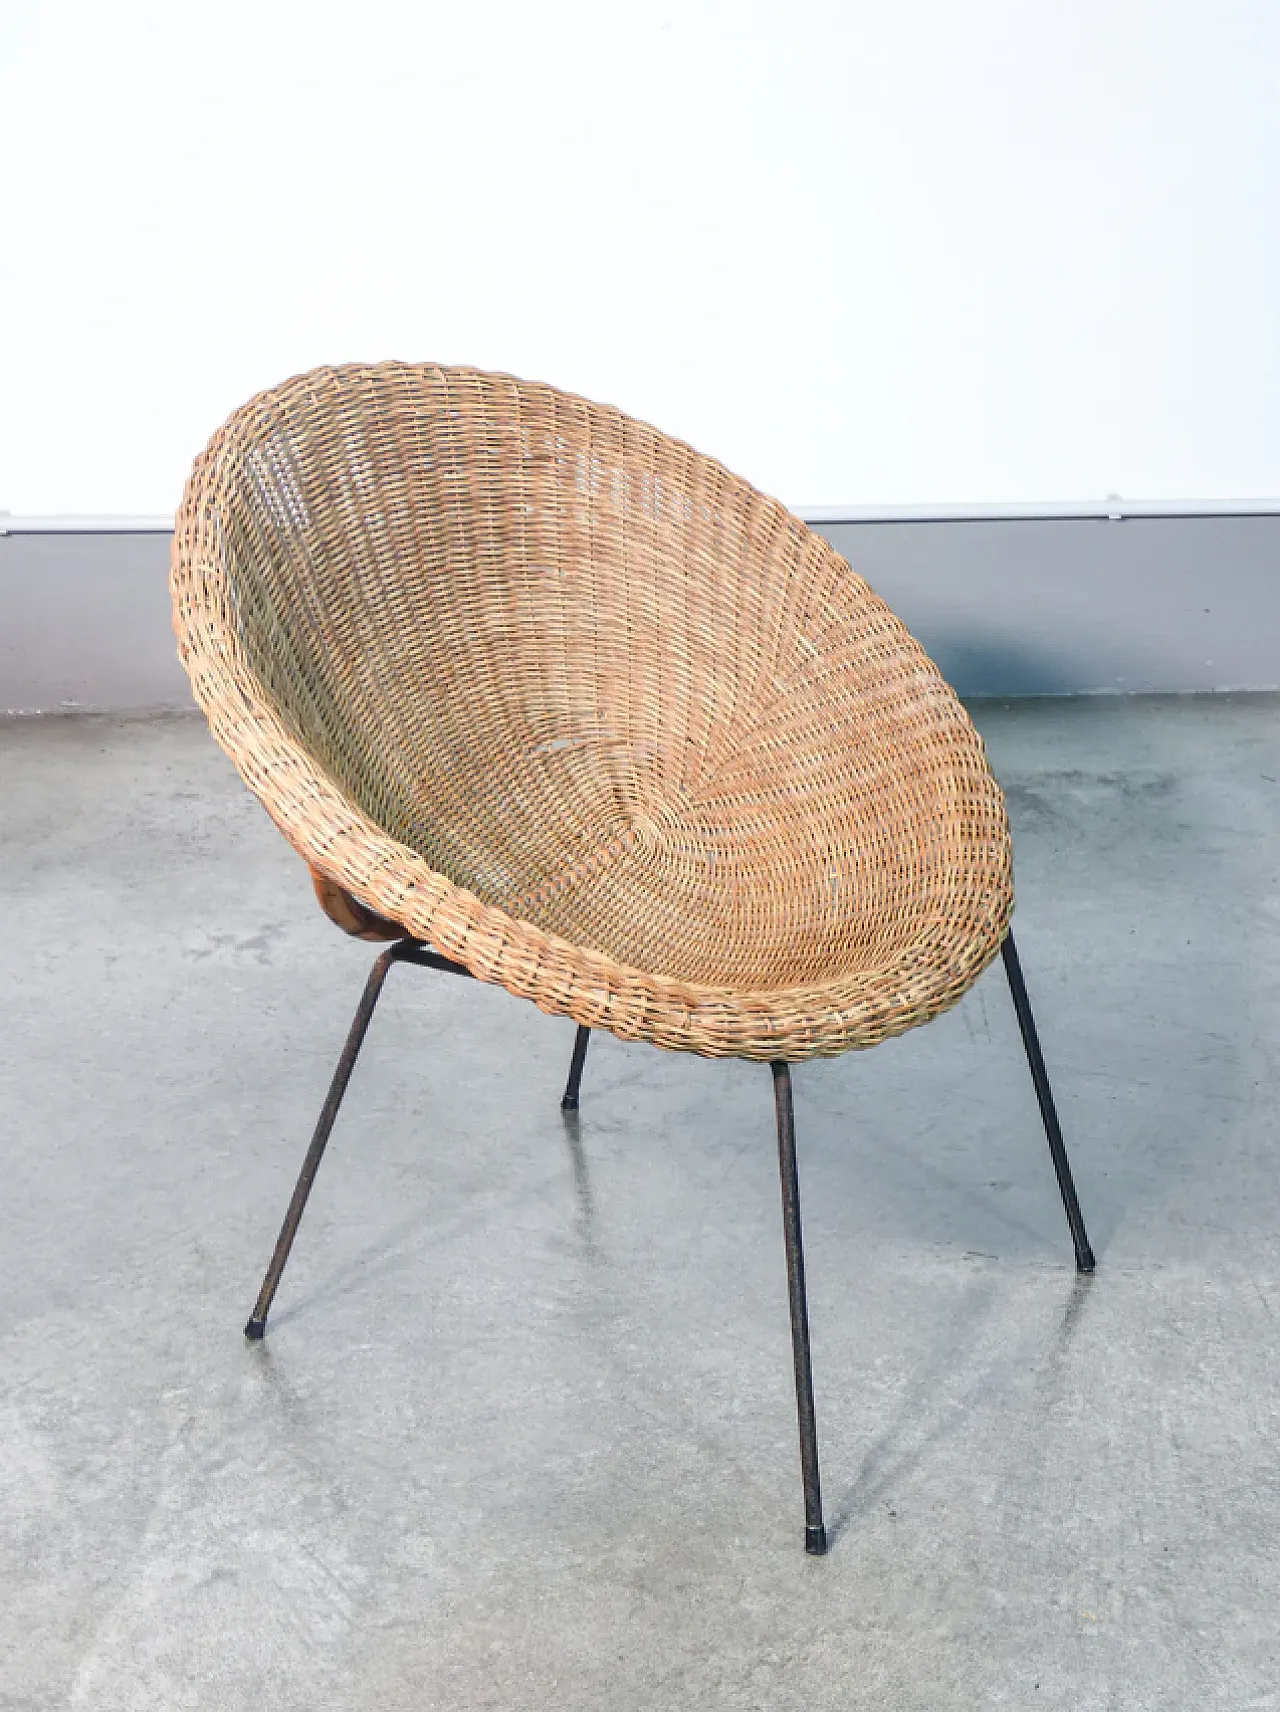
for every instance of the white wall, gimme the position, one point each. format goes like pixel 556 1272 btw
pixel 868 251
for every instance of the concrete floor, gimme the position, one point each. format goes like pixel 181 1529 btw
pixel 522 1431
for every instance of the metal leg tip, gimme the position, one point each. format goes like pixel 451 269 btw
pixel 815 1541
pixel 569 1103
pixel 1084 1260
pixel 254 1330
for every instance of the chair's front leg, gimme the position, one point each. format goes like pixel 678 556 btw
pixel 1057 1149
pixel 815 1533
pixel 311 1164
pixel 580 1040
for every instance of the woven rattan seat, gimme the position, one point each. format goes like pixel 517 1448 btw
pixel 572 704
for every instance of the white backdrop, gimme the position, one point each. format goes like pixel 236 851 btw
pixel 864 251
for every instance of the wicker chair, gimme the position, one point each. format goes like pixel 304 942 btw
pixel 547 698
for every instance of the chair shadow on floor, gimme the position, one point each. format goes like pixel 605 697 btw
pixel 572 1121
pixel 375 1260
pixel 900 1448
pixel 388 1253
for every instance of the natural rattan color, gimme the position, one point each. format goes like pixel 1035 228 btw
pixel 586 713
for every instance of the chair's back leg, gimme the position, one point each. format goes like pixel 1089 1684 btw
pixel 570 1101
pixel 1026 1022
pixel 815 1533
pixel 311 1164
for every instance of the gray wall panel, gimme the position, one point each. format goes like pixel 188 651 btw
pixel 84 623
pixel 1006 608
pixel 1054 607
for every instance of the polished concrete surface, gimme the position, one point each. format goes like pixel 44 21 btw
pixel 521 1434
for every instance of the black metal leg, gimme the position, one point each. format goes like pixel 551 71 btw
pixel 311 1164
pixel 1026 1022
pixel 815 1534
pixel 570 1101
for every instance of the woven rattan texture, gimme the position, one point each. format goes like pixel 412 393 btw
pixel 587 713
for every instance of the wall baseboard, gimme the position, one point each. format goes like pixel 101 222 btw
pixel 1018 607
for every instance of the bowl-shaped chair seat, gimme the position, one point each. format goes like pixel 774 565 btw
pixel 586 713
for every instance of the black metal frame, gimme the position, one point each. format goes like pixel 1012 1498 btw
pixel 411 951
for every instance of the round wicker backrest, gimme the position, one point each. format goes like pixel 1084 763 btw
pixel 587 676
